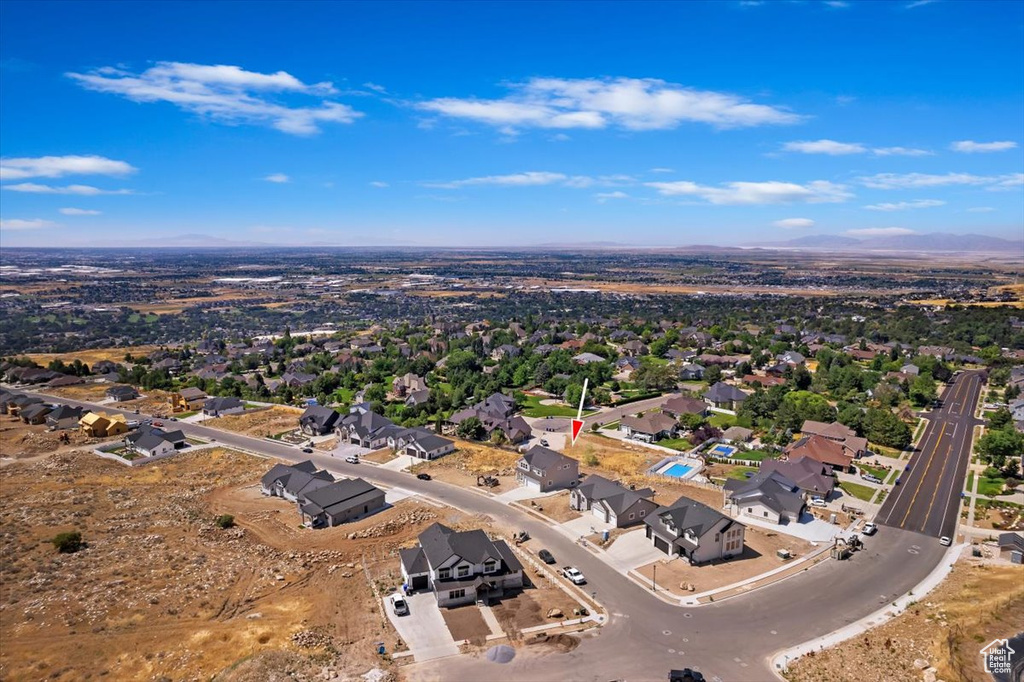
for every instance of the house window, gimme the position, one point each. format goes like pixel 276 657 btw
pixel 765 514
pixel 463 571
pixel 643 512
pixel 631 515
pixel 718 536
pixel 444 573
pixel 490 566
pixel 456 594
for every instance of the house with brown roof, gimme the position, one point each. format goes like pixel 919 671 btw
pixel 650 427
pixel 678 405
pixel 821 449
pixel 840 433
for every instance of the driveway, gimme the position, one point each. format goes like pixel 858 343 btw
pixel 423 630
pixel 585 525
pixel 520 493
pixel 808 528
pixel 347 450
pixel 632 549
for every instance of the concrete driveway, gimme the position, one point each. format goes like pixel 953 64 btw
pixel 808 528
pixel 586 524
pixel 632 549
pixel 344 450
pixel 423 630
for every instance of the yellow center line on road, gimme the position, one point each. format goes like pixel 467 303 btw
pixel 952 439
pixel 931 460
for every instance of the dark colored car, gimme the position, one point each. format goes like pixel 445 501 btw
pixel 423 477
pixel 546 556
pixel 308 451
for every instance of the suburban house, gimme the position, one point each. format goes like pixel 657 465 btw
pixel 505 351
pixel 100 424
pixel 821 449
pixel 460 567
pixel 297 379
pixel 154 442
pixel 840 433
pixel 691 372
pixel 338 502
pixel 649 427
pixel 679 405
pixel 64 417
pixel 35 413
pixel 218 407
pixel 764 381
pixel 812 477
pixel 428 446
pixel 737 434
pixel 188 400
pixel 543 470
pixel 408 383
pixel 17 402
pixel 587 358
pixel 290 481
pixel 367 429
pixel 496 413
pixel 318 420
pixel 1011 547
pixel 769 495
pixel 120 394
pixel 612 502
pixel 695 531
pixel 724 396
pixel 417 398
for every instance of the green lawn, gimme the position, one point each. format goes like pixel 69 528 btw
pixel 755 455
pixel 738 472
pixel 187 414
pixel 533 408
pixel 969 487
pixel 990 487
pixel 861 492
pixel 722 421
pixel 611 426
pixel 680 444
pixel 882 450
pixel 874 471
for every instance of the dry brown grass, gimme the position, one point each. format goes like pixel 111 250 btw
pixel 260 423
pixel 90 357
pixel 973 606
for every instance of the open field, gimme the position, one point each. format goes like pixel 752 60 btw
pixel 160 591
pixel 260 423
pixel 19 440
pixel 94 355
pixel 554 507
pixel 471 460
pixel 973 606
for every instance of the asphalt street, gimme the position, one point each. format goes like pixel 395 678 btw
pixel 645 637
pixel 927 500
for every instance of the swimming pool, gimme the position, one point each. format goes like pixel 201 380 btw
pixel 723 450
pixel 677 470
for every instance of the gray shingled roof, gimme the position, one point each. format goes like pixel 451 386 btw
pixel 772 489
pixel 543 458
pixel 685 514
pixel 440 543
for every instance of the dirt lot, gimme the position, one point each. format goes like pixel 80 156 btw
pixel 380 456
pixel 758 557
pixel 612 458
pixel 554 506
pixel 532 605
pixel 465 622
pixel 19 440
pixel 973 606
pixel 470 460
pixel 261 423
pixel 87 392
pixel 161 591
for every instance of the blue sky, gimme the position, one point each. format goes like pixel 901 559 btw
pixel 502 124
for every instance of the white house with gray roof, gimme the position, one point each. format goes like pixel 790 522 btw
pixel 544 470
pixel 291 481
pixel 612 502
pixel 695 532
pixel 339 502
pixel 428 446
pixel 460 567
pixel 769 496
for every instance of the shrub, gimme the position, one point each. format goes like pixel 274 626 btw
pixel 225 521
pixel 68 543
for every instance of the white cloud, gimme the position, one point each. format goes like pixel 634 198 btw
pixel 838 4
pixel 278 178
pixel 830 147
pixel 981 209
pixel 83 190
pixel 631 103
pixel 972 147
pixel 59 166
pixel 919 3
pixel 834 148
pixel 379 184
pixel 880 232
pixel 916 180
pixel 376 88
pixel 224 93
pixel 904 205
pixel 900 151
pixel 528 179
pixel 662 170
pixel 751 193
pixel 603 197
pixel 79 211
pixel 794 223
pixel 19 224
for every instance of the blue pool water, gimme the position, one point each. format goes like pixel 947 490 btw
pixel 723 450
pixel 677 470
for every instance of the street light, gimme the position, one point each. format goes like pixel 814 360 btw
pixel 654 578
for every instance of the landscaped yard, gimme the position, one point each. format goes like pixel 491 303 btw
pixel 183 415
pixel 861 492
pixel 990 486
pixel 533 408
pixel 724 471
pixel 680 444
pixel 880 472
pixel 882 450
pixel 755 455
pixel 722 421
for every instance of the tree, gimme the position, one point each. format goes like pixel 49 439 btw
pixel 995 446
pixel 922 390
pixel 573 393
pixel 713 374
pixel 691 422
pixel 1001 418
pixel 653 376
pixel 225 521
pixel 68 543
pixel 885 428
pixel 801 378
pixel 798 406
pixel 470 429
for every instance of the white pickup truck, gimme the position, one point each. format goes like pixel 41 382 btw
pixel 573 575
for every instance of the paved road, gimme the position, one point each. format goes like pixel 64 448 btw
pixel 617 413
pixel 928 498
pixel 731 641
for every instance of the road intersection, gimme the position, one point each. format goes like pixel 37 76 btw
pixel 644 637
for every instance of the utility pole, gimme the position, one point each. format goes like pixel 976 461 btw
pixel 654 578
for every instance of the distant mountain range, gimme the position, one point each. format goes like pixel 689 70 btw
pixel 936 241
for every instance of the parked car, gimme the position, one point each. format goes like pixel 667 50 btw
pixel 423 477
pixel 399 605
pixel 158 424
pixel 174 419
pixel 869 529
pixel 308 451
pixel 818 502
pixel 544 442
pixel 871 477
pixel 546 556
pixel 352 459
pixel 573 575
pixel 945 541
